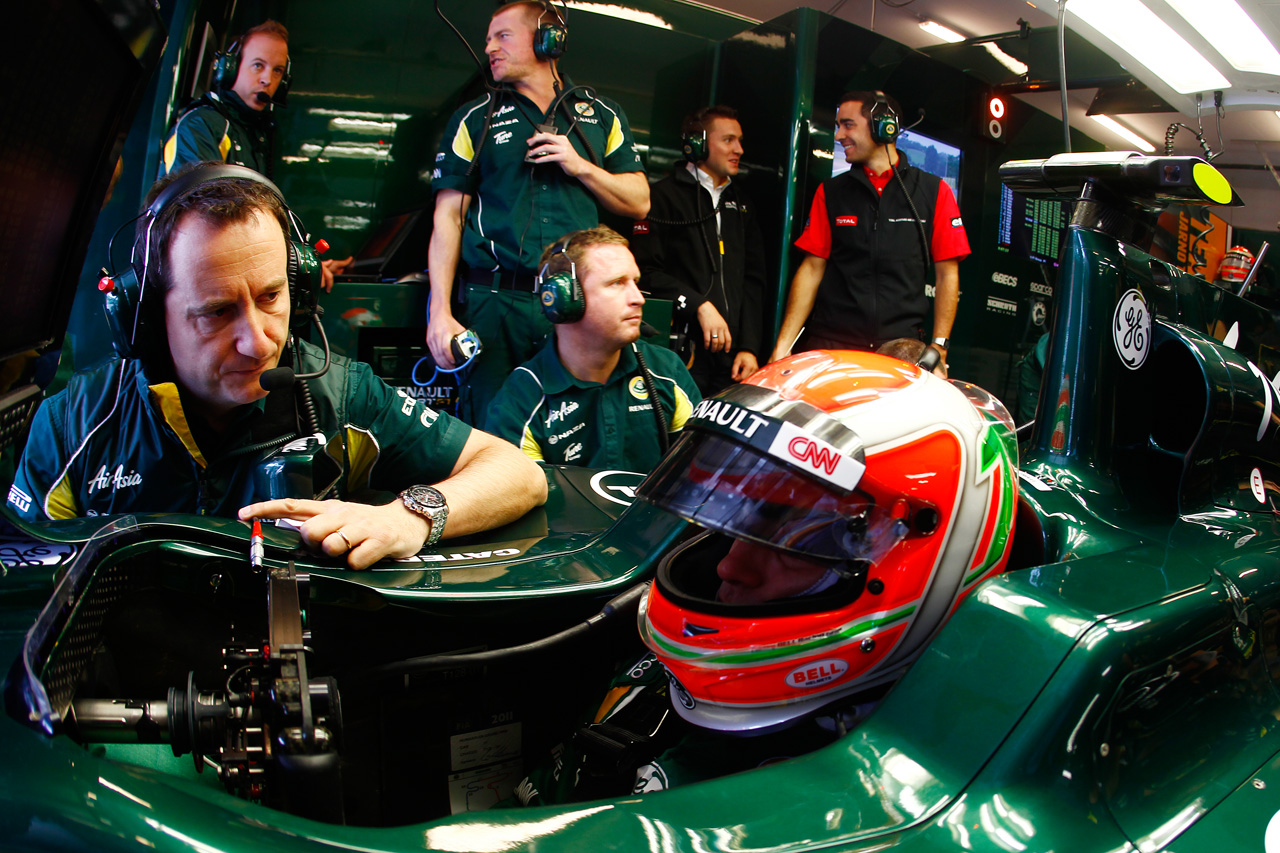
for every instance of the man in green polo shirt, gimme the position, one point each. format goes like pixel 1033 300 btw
pixel 587 398
pixel 534 158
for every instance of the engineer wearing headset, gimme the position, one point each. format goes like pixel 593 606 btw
pixel 595 395
pixel 235 121
pixel 525 163
pixel 871 234
pixel 701 248
pixel 202 318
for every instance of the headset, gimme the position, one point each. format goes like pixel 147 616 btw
pixel 884 123
pixel 135 319
pixel 226 65
pixel 694 138
pixel 559 290
pixel 551 39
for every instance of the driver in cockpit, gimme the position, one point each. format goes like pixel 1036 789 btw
pixel 848 501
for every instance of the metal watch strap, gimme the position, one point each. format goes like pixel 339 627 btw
pixel 428 502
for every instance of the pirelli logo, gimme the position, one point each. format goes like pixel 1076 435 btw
pixel 846 220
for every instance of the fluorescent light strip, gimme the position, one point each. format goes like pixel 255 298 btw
pixel 613 10
pixel 1135 29
pixel 1232 33
pixel 935 29
pixel 1124 132
pixel 1004 59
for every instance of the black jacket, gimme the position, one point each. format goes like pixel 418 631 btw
pixel 873 289
pixel 682 262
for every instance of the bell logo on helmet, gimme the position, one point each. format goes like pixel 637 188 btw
pixel 817 674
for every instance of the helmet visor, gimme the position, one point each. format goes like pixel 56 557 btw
pixel 722 485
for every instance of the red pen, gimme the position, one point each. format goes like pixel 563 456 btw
pixel 255 545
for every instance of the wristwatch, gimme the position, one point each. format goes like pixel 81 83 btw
pixel 428 502
pixel 945 343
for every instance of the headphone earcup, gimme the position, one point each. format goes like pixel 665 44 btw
pixel 225 68
pixel 304 283
pixel 550 41
pixel 561 298
pixel 695 147
pixel 884 129
pixel 123 297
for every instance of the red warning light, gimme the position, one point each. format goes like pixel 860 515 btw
pixel 996 107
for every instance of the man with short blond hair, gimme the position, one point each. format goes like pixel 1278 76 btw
pixel 587 397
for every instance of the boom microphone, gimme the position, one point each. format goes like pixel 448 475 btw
pixel 276 379
pixel 262 97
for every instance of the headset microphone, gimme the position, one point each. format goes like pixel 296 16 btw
pixel 262 97
pixel 276 379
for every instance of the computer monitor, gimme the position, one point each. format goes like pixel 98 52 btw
pixel 394 246
pixel 924 152
pixel 1032 228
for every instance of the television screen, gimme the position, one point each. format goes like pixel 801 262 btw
pixel 925 152
pixel 1032 228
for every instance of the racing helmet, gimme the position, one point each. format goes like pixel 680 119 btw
pixel 888 492
pixel 1235 265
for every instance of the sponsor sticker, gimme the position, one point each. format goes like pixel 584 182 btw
pixel 637 388
pixel 846 220
pixel 616 486
pixel 650 777
pixel 641 227
pixel 502 137
pixel 1002 306
pixel 816 457
pixel 817 674
pixel 1259 488
pixel 956 222
pixel 1005 279
pixel 1131 329
pixel 573 452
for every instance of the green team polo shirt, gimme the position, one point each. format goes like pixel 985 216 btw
pixel 519 208
pixel 558 419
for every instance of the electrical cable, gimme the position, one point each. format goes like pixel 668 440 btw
pixel 664 441
pixel 626 601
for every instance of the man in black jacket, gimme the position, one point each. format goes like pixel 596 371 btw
pixel 701 248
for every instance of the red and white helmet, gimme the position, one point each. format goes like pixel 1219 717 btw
pixel 1235 265
pixel 901 485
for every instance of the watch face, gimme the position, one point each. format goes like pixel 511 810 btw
pixel 427 496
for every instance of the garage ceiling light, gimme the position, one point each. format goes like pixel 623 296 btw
pixel 1232 33
pixel 935 29
pixel 626 13
pixel 1019 68
pixel 1124 132
pixel 1135 29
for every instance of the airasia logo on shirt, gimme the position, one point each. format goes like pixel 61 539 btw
pixel 846 220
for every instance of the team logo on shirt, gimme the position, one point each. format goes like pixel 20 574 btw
pixel 846 220
pixel 584 108
pixel 637 388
